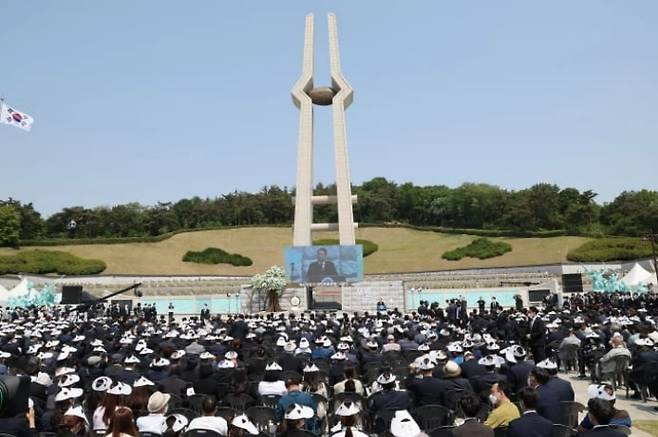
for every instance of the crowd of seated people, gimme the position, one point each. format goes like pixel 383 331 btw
pixel 98 372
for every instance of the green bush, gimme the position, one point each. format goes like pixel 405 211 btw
pixel 43 262
pixel 610 249
pixel 368 246
pixel 481 248
pixel 214 255
pixel 478 232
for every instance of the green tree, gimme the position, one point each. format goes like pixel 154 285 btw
pixel 10 226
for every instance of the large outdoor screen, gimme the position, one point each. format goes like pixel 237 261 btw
pixel 324 264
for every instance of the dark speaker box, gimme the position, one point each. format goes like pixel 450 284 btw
pixel 538 295
pixel 71 294
pixel 572 283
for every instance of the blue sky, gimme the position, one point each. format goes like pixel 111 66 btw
pixel 158 100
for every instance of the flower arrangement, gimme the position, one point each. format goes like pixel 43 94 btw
pixel 273 281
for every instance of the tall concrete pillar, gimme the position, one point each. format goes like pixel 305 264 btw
pixel 339 96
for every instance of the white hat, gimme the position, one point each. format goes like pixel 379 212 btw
pixel 97 342
pixel 177 355
pixel 487 361
pixel 599 391
pixel 44 379
pixel 547 364
pixel 102 383
pixel 514 352
pixel 425 363
pixel 131 360
pixel 77 412
pixel 386 378
pixel 63 371
pixel 145 351
pixel 311 369
pixel 99 349
pixel 69 380
pixel 281 342
pixel 273 366
pixel 348 409
pixel 121 389
pixel 303 343
pixel 455 348
pixel 438 355
pixel 162 362
pixel 142 382
pixel 403 425
pixel 290 346
pixel 339 356
pixel 231 355
pixel 68 393
pixel 78 338
pixel 226 364
pixel 644 342
pixel 207 356
pixel 179 424
pixel 243 422
pixel 343 346
pixel 493 346
pixel 298 412
pixel 424 347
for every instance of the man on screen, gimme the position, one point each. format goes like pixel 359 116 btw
pixel 321 268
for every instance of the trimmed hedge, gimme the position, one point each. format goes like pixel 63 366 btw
pixel 214 255
pixel 478 232
pixel 368 246
pixel 610 249
pixel 481 248
pixel 44 261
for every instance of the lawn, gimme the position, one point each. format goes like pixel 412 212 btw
pixel 650 426
pixel 400 250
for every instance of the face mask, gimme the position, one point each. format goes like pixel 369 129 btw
pixel 493 399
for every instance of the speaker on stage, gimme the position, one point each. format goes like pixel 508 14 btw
pixel 572 283
pixel 71 294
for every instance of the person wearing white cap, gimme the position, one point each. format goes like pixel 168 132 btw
pixel 209 420
pixel 519 367
pixel 427 390
pixel 75 421
pixel 157 407
pixel 562 388
pixel 403 425
pixel 605 392
pixel 272 384
pixel 243 423
pixel 294 420
pixel 295 395
pixel 388 398
pixel 348 413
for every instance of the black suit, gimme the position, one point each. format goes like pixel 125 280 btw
pixel 16 426
pixel 389 400
pixel 548 404
pixel 172 384
pixel 530 424
pixel 518 374
pixel 471 428
pixel 538 339
pixel 562 389
pixel 426 391
pixel 317 271
pixel 472 368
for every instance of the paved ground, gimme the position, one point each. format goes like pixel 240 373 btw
pixel 636 409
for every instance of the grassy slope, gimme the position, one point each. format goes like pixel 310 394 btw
pixel 399 250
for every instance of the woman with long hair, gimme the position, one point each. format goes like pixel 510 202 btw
pixel 350 377
pixel 122 424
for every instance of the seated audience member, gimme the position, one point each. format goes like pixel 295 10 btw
pixel 530 424
pixel 472 427
pixel 295 395
pixel 122 424
pixel 209 421
pixel 272 383
pixel 504 410
pixel 600 414
pixel 350 375
pixel 294 420
pixel 604 392
pixel 157 407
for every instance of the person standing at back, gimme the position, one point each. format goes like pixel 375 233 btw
pixel 537 335
pixel 530 424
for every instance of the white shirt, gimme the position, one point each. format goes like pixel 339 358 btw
pixel 272 388
pixel 211 423
pixel 98 418
pixel 151 423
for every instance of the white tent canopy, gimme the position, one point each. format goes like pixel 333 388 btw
pixel 637 275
